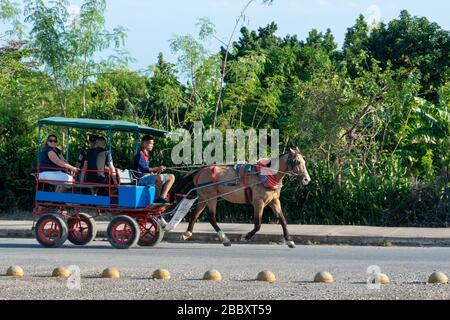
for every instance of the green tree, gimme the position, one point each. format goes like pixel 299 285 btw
pixel 26 95
pixel 10 13
pixel 119 94
pixel 166 95
pixel 201 70
pixel 226 52
pixel 89 36
pixel 51 42
pixel 67 48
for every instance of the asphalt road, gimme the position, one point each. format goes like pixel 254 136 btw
pixel 408 269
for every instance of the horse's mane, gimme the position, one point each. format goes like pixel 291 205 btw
pixel 279 157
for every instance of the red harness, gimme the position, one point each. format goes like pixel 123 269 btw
pixel 269 181
pixel 213 174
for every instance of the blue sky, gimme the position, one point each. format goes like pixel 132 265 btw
pixel 151 23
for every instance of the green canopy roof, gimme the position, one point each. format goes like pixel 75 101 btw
pixel 114 125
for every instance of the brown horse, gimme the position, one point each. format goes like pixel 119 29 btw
pixel 245 189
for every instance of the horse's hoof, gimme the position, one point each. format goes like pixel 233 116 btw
pixel 247 237
pixel 185 236
pixel 227 243
pixel 291 244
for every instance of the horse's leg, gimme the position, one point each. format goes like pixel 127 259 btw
pixel 276 207
pixel 212 207
pixel 198 210
pixel 257 217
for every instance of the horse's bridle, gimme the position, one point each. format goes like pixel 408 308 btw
pixel 291 164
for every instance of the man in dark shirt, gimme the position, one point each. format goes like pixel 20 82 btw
pixel 152 176
pixel 82 155
pixel 99 165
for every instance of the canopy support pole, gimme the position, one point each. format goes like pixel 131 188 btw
pixel 136 142
pixel 110 134
pixel 67 145
pixel 39 144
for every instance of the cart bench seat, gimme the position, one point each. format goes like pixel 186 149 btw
pixel 66 184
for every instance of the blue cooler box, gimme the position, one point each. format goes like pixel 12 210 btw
pixel 136 196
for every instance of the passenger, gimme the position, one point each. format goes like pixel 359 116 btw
pixel 52 165
pixel 82 156
pixel 99 163
pixel 152 176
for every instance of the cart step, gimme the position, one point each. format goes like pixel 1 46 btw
pixel 181 211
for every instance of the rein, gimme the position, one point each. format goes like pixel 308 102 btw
pixel 188 168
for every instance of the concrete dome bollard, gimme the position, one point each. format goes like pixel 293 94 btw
pixel 324 277
pixel 61 272
pixel 111 272
pixel 438 277
pixel 381 278
pixel 161 274
pixel 213 275
pixel 15 271
pixel 266 275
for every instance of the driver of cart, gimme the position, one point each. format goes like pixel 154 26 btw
pixel 148 175
pixel 99 163
pixel 52 165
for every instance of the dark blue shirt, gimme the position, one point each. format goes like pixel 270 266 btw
pixel 142 163
pixel 97 159
pixel 45 164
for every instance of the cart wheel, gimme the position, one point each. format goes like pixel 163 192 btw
pixel 151 233
pixel 51 231
pixel 123 232
pixel 82 229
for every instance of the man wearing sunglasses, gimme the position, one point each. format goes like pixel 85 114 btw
pixel 52 165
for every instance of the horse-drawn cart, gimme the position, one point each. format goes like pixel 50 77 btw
pixel 136 219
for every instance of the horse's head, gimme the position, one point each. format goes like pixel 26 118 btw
pixel 296 165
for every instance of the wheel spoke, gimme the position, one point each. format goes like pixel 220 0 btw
pixel 149 232
pixel 49 231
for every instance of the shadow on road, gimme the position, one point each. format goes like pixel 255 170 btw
pixel 19 246
pixel 38 246
pixel 11 245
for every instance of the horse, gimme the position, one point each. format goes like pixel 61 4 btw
pixel 248 188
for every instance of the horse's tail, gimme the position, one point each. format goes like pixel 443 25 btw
pixel 184 182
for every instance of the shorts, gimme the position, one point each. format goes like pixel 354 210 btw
pixel 98 179
pixel 149 180
pixel 55 176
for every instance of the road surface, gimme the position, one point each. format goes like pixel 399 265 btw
pixel 408 269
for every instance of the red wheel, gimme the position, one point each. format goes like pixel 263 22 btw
pixel 123 232
pixel 51 231
pixel 151 233
pixel 82 229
